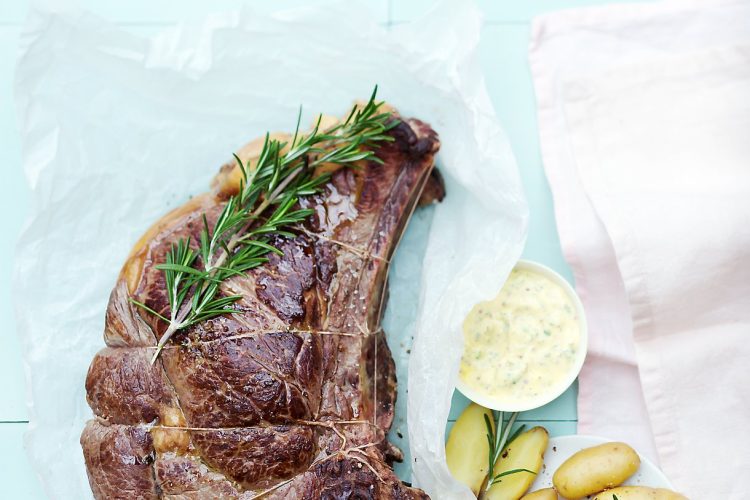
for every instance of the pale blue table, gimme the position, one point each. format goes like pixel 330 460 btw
pixel 503 55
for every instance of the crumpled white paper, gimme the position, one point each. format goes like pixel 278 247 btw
pixel 118 129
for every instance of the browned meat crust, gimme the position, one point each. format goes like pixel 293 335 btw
pixel 292 396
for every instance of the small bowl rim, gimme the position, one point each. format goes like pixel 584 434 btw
pixel 557 390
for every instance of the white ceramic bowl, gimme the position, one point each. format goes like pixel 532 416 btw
pixel 557 389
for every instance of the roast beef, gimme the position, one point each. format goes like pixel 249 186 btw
pixel 290 396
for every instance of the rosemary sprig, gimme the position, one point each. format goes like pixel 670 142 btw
pixel 265 206
pixel 499 438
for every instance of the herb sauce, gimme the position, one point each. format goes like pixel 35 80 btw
pixel 522 343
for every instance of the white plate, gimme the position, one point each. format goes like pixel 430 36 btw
pixel 562 447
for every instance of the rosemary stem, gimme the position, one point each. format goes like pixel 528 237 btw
pixel 176 321
pixel 238 236
pixel 276 192
pixel 240 239
pixel 164 339
pixel 502 432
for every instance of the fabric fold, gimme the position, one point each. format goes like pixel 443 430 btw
pixel 643 137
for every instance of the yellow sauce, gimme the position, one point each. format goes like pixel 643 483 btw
pixel 523 343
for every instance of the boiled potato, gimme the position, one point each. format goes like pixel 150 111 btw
pixel 525 452
pixel 639 493
pixel 545 494
pixel 595 469
pixel 467 448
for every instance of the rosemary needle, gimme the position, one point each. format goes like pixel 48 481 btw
pixel 265 206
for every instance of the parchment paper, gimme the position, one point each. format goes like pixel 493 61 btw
pixel 117 129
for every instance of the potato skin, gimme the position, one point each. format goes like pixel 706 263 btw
pixel 639 493
pixel 525 452
pixel 594 469
pixel 545 494
pixel 467 448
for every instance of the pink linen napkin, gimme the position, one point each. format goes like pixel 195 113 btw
pixel 644 117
